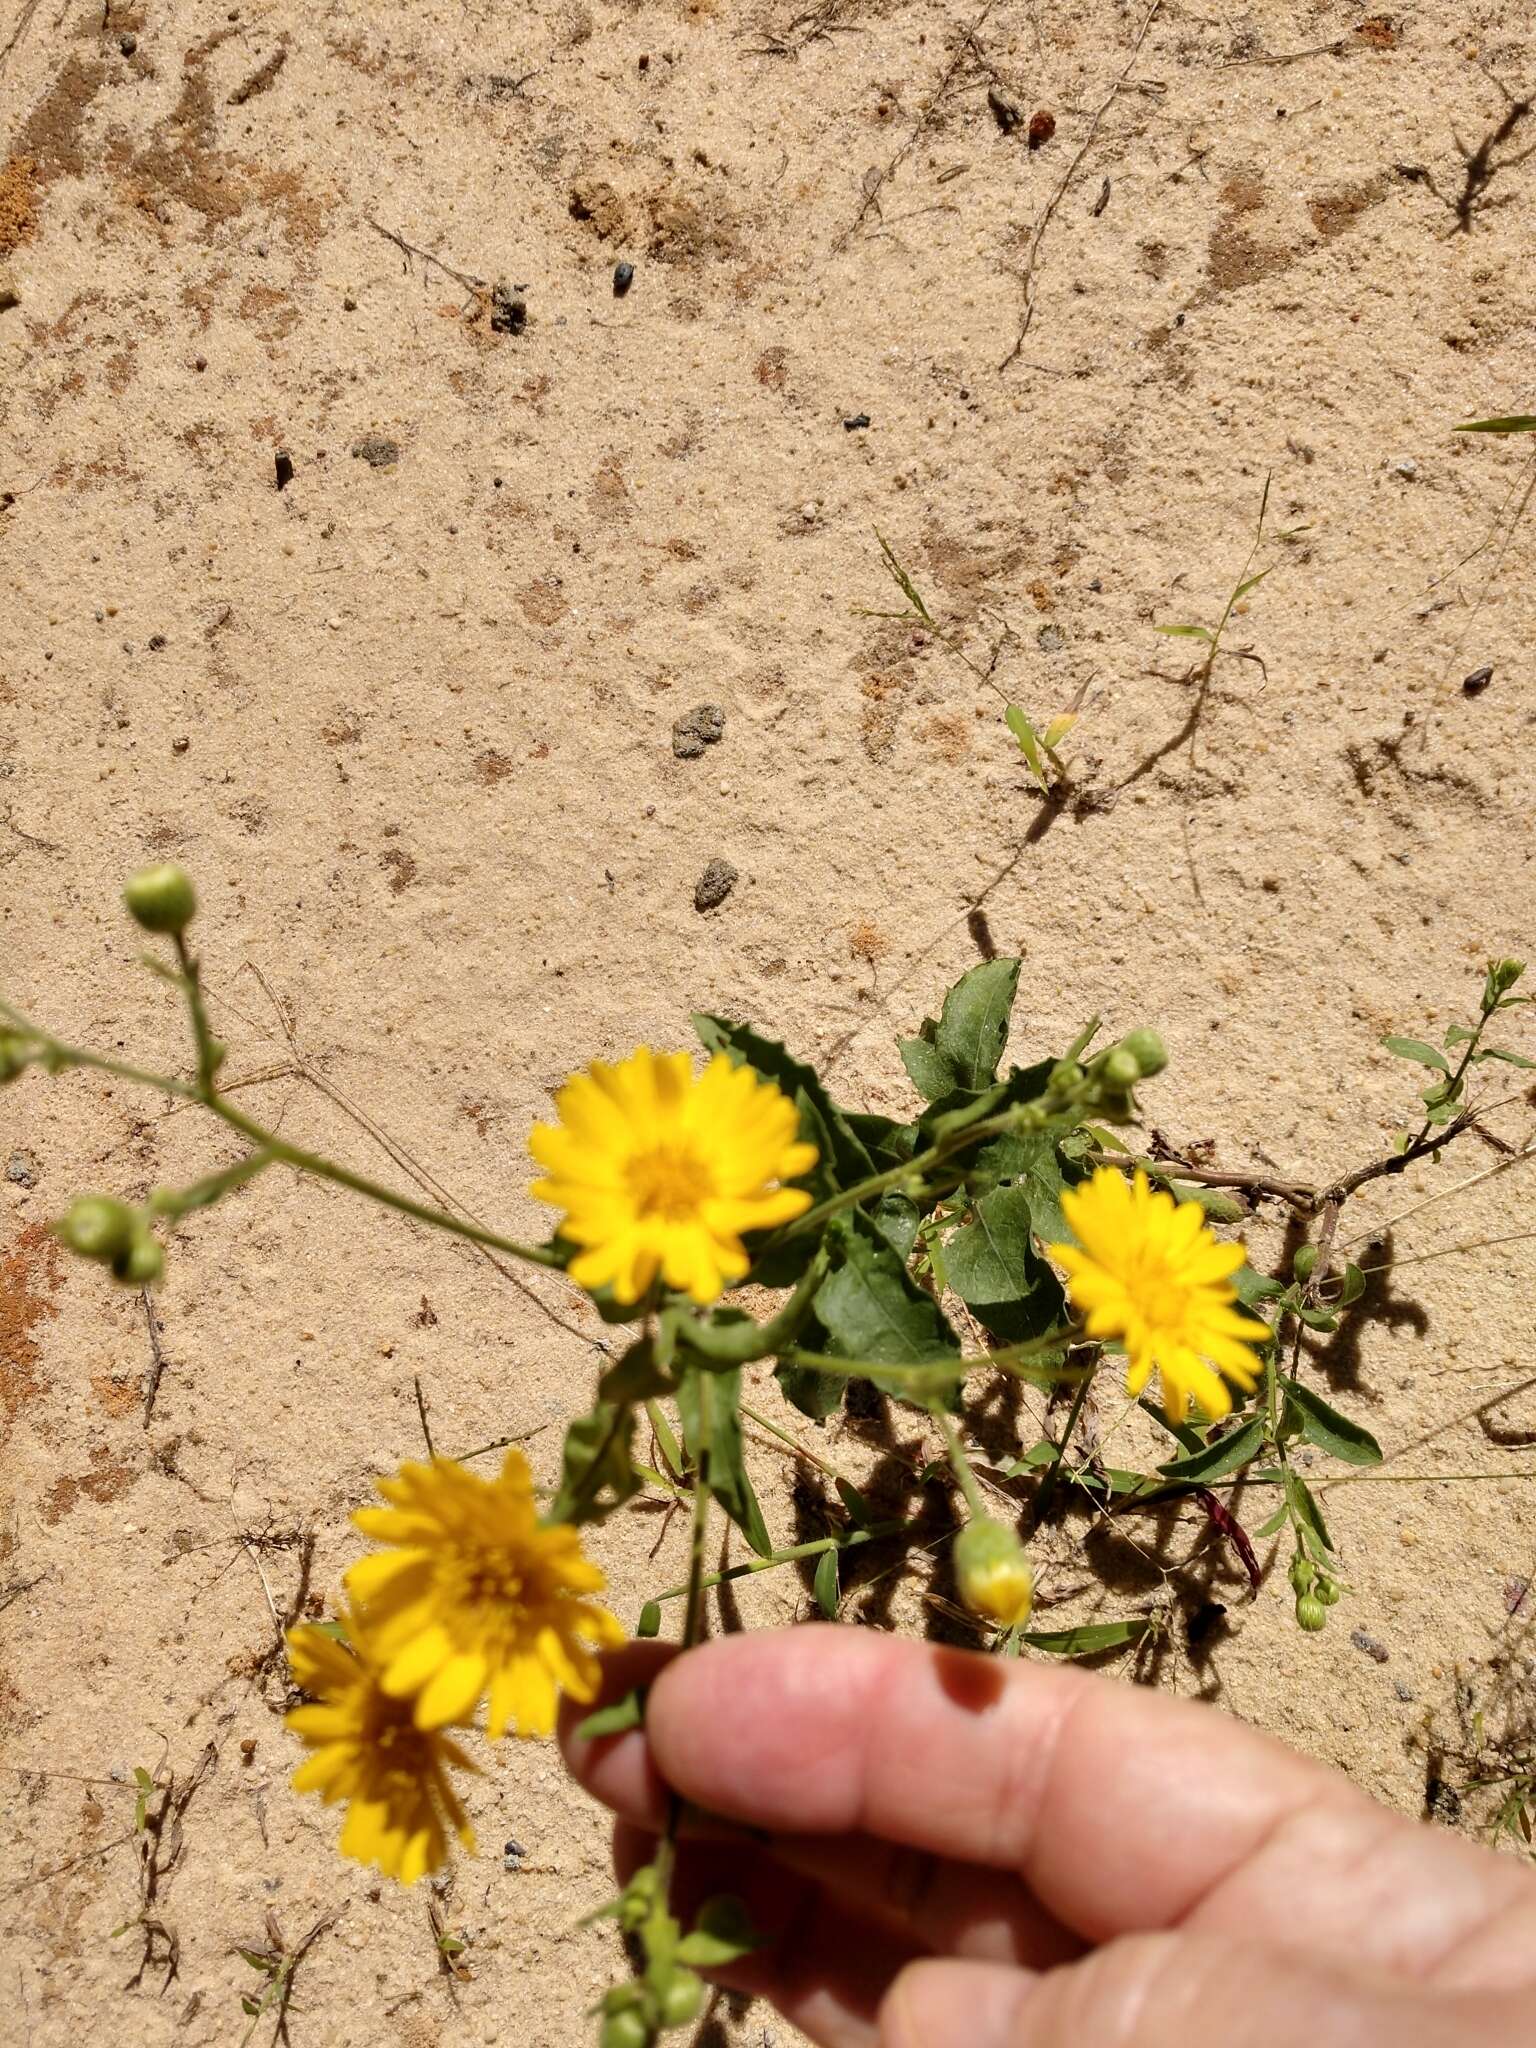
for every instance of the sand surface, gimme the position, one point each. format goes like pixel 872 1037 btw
pixel 409 720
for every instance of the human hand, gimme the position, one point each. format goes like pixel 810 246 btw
pixel 955 1851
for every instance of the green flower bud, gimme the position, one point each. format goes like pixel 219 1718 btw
pixel 993 1573
pixel 1121 1069
pixel 97 1227
pixel 625 2029
pixel 15 1056
pixel 1303 1573
pixel 1148 1051
pixel 683 1998
pixel 161 898
pixel 1065 1076
pixel 140 1261
pixel 1311 1614
pixel 1329 1591
pixel 1502 976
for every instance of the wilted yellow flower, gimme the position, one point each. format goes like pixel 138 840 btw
pixel 475 1596
pixel 660 1171
pixel 369 1752
pixel 1147 1270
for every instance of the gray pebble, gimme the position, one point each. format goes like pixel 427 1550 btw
pixel 1406 466
pixel 697 729
pixel 1404 1692
pixel 1369 1645
pixel 714 885
pixel 21 1167
pixel 376 451
pixel 1051 639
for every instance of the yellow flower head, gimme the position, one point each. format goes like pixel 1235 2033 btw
pixel 369 1752
pixel 659 1171
pixel 474 1596
pixel 1147 1270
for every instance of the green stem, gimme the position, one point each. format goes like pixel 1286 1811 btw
pixel 728 1344
pixel 962 1471
pixel 882 1371
pixel 209 1052
pixel 212 1188
pixel 693 1612
pixel 1053 1472
pixel 876 1532
pixel 57 1054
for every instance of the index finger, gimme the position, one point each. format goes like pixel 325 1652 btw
pixel 1121 1809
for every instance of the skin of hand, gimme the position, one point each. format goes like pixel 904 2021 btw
pixel 953 1851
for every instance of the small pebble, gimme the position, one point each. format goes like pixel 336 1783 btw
pixel 128 44
pixel 180 744
pixel 1406 466
pixel 9 295
pixel 1369 1645
pixel 349 304
pixel 1042 126
pixel 509 313
pixel 714 885
pixel 512 1854
pixel 703 726
pixel 21 1168
pixel 283 464
pixel 623 278
pixel 1475 684
pixel 1004 112
pixel 1404 1692
pixel 377 452
pixel 855 421
pixel 156 642
pixel 1051 639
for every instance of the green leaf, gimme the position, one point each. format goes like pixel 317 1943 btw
pixel 1513 1059
pixel 1091 1640
pixel 1028 739
pixel 854 1502
pixel 1416 1049
pixel 896 1218
pixel 872 1309
pixel 628 1712
pixel 1036 1162
pixel 816 1394
pixel 1329 1430
pixel 827 1589
pixel 1223 1455
pixel 723 1933
pixel 666 1442
pixel 927 1069
pixel 1309 1516
pixel 1507 423
pixel 596 1472
pixel 843 1159
pixel 1252 583
pixel 1184 632
pixel 649 1623
pixel 634 1377
pixel 973 1025
pixel 993 1266
pixel 710 1406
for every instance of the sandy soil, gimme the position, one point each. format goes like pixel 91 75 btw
pixel 409 721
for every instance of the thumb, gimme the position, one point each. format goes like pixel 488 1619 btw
pixel 1166 1990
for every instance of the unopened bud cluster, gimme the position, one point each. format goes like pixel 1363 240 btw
pixel 1316 1590
pixel 116 1235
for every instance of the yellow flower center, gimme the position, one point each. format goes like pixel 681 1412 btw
pixel 670 1182
pixel 1157 1295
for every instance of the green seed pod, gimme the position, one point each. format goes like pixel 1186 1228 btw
pixel 140 1261
pixel 993 1573
pixel 625 2029
pixel 683 1999
pixel 1311 1614
pixel 1120 1068
pixel 97 1227
pixel 161 899
pixel 1148 1051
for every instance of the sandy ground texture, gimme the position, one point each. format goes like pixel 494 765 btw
pixel 409 720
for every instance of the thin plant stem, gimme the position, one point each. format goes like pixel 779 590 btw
pixel 1053 1475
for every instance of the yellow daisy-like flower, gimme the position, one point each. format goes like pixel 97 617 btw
pixel 1147 1270
pixel 659 1171
pixel 369 1752
pixel 474 1596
